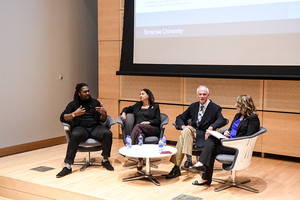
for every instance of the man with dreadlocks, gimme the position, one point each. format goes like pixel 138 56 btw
pixel 84 114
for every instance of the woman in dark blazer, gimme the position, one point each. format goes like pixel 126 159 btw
pixel 146 118
pixel 245 123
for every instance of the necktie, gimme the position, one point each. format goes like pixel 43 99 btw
pixel 200 115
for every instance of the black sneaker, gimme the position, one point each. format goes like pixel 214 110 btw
pixel 63 172
pixel 187 165
pixel 107 165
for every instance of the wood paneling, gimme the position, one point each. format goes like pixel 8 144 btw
pixel 282 136
pixel 164 89
pixel 225 91
pixel 111 106
pixel 109 58
pixel 108 20
pixel 172 111
pixel 282 96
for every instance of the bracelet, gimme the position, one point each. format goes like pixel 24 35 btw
pixel 73 114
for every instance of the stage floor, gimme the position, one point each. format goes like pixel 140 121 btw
pixel 274 178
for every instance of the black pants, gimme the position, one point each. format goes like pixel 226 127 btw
pixel 211 149
pixel 80 134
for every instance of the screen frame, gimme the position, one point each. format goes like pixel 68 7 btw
pixel 127 67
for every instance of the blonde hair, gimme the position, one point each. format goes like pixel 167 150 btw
pixel 246 104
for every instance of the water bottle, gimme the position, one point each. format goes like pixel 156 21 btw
pixel 160 145
pixel 164 140
pixel 140 140
pixel 128 141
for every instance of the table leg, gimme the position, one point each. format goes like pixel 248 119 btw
pixel 144 175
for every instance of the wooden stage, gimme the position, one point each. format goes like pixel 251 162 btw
pixel 275 178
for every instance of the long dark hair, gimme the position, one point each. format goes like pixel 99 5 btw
pixel 151 97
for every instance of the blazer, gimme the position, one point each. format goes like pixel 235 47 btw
pixel 248 126
pixel 154 113
pixel 212 117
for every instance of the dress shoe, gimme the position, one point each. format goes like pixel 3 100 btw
pixel 175 172
pixel 107 165
pixel 187 165
pixel 63 172
pixel 139 167
pixel 200 183
pixel 198 169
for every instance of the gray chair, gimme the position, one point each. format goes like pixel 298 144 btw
pixel 241 160
pixel 127 127
pixel 90 145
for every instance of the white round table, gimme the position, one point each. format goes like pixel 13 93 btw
pixel 146 151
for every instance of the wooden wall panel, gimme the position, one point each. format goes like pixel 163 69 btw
pixel 282 96
pixel 224 91
pixel 282 136
pixel 108 20
pixel 164 89
pixel 172 111
pixel 109 57
pixel 111 106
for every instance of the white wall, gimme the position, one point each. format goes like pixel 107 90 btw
pixel 40 39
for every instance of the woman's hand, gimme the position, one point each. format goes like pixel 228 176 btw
pixel 145 122
pixel 123 117
pixel 227 134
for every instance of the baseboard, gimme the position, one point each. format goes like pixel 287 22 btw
pixel 32 146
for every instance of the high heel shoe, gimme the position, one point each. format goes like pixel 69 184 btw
pixel 201 168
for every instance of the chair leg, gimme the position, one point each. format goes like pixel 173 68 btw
pixel 88 161
pixel 233 183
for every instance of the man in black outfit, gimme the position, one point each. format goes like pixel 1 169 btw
pixel 204 115
pixel 84 114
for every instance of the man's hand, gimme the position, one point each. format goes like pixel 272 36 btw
pixel 101 110
pixel 79 111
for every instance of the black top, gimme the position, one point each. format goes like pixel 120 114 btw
pixel 89 119
pixel 248 126
pixel 152 114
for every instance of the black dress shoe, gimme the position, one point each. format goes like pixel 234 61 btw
pixel 63 172
pixel 198 169
pixel 198 183
pixel 175 172
pixel 187 165
pixel 107 165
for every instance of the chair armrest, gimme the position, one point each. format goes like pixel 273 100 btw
pixel 119 121
pixel 174 124
pixel 108 122
pixel 164 122
pixel 67 126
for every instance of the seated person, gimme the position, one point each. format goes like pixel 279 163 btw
pixel 245 123
pixel 204 115
pixel 85 113
pixel 146 116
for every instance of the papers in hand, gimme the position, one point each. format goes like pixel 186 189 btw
pixel 217 134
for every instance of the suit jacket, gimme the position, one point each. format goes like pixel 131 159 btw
pixel 248 126
pixel 212 117
pixel 154 113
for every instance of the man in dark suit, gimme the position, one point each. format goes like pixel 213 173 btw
pixel 204 115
